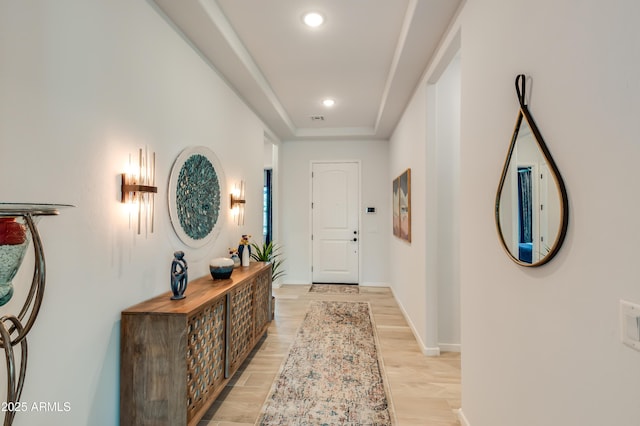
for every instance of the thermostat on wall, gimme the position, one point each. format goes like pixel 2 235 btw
pixel 371 209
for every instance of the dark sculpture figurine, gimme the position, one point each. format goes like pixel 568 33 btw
pixel 178 275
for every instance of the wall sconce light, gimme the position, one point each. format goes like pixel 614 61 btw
pixel 238 202
pixel 138 189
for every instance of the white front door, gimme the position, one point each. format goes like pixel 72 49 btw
pixel 336 239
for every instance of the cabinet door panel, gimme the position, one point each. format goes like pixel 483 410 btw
pixel 206 333
pixel 262 302
pixel 241 327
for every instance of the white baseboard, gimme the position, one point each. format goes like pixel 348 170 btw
pixel 427 351
pixel 430 351
pixel 450 347
pixel 374 284
pixel 462 418
pixel 423 348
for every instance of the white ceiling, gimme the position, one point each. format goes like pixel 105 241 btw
pixel 369 56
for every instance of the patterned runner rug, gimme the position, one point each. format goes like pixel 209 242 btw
pixel 333 374
pixel 334 288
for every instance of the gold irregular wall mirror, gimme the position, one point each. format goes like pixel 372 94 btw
pixel 531 202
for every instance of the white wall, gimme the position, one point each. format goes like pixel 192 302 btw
pixel 408 261
pixel 425 272
pixel 295 223
pixel 542 345
pixel 84 84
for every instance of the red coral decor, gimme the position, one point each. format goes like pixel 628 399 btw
pixel 12 232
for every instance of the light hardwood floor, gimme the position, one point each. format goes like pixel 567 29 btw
pixel 424 390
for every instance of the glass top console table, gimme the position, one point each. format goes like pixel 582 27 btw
pixel 18 225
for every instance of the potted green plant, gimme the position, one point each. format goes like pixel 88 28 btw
pixel 269 252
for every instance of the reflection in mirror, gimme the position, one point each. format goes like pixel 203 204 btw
pixel 531 202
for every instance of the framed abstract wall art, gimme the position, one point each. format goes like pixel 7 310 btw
pixel 402 206
pixel 396 207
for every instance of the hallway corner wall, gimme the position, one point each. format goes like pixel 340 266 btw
pixel 426 271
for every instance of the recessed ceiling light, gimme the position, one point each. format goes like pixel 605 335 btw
pixel 313 19
pixel 328 103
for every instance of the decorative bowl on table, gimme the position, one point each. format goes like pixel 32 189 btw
pixel 221 268
pixel 14 239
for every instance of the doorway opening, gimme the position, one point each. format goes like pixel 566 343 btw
pixel 267 207
pixel 525 215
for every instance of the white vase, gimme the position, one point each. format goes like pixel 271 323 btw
pixel 245 256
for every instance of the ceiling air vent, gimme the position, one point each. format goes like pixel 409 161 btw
pixel 317 118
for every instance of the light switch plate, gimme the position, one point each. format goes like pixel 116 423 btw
pixel 630 324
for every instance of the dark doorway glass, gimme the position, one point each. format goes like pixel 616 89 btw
pixel 267 209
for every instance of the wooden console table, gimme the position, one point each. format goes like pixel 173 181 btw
pixel 176 356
